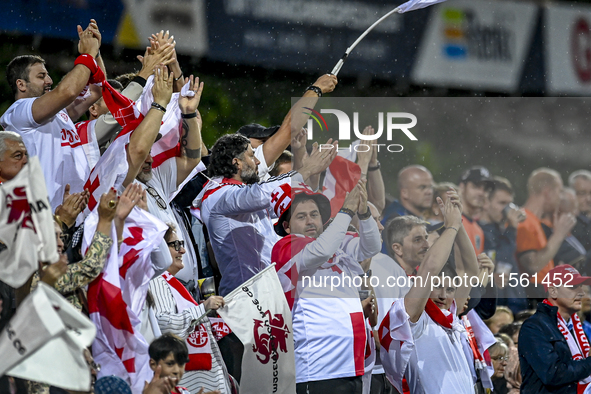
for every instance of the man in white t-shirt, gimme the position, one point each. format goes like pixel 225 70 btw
pixel 328 322
pixel 43 117
pixel 436 360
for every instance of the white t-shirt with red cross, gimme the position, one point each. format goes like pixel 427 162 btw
pixel 55 142
pixel 328 324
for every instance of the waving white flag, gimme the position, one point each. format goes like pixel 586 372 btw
pixel 45 340
pixel 27 235
pixel 257 312
pixel 416 5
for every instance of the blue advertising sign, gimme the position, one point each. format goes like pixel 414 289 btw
pixel 312 35
pixel 58 18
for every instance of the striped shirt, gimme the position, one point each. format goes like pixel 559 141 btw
pixel 182 324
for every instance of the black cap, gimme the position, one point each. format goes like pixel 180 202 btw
pixel 477 175
pixel 255 130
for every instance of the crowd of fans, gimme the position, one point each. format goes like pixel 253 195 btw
pixel 226 222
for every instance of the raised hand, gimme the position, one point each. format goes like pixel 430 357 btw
pixel 352 199
pixel 189 104
pixel 319 159
pixel 108 206
pixel 451 210
pixel 130 197
pixel 155 55
pixel 364 157
pixel 72 205
pixel 326 83
pixel 88 42
pixel 162 89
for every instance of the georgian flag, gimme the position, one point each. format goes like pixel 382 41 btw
pixel 45 340
pixel 348 173
pixel 169 144
pixel 396 343
pixel 111 169
pixel 116 297
pixel 27 235
pixel 258 314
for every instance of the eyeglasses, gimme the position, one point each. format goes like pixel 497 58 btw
pixel 159 200
pixel 499 358
pixel 177 245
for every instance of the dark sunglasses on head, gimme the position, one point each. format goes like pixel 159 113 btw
pixel 177 245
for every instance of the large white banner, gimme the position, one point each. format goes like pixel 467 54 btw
pixel 45 340
pixel 473 44
pixel 567 35
pixel 27 235
pixel 257 312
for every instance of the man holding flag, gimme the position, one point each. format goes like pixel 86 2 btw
pixel 325 362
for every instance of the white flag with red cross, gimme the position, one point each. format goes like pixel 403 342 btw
pixel 258 314
pixel 116 296
pixel 171 128
pixel 396 343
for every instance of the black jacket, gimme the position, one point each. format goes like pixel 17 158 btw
pixel 546 361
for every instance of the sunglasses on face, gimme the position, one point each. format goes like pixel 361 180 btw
pixel 177 245
pixel 499 358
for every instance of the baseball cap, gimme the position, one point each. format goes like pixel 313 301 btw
pixel 255 130
pixel 565 275
pixel 283 196
pixel 476 175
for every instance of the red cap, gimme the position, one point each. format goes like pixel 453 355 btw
pixel 565 275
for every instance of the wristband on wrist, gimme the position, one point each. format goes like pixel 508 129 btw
pixel 347 211
pixel 316 90
pixel 88 61
pixel 98 54
pixel 189 116
pixel 452 227
pixel 157 106
pixel 176 79
pixel 363 216
pixel 374 168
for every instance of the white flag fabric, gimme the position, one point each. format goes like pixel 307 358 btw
pixel 484 339
pixel 416 5
pixel 168 145
pixel 26 225
pixel 45 340
pixel 141 235
pixel 257 312
pixel 119 290
pixel 110 171
pixel 396 343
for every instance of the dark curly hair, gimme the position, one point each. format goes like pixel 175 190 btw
pixel 226 149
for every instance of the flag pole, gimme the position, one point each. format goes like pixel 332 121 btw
pixel 341 61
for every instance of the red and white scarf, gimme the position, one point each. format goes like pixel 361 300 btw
pixel 198 343
pixel 578 345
